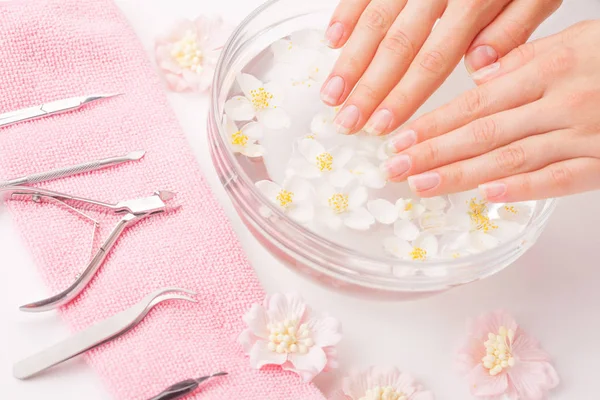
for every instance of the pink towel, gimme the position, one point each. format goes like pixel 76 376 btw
pixel 54 49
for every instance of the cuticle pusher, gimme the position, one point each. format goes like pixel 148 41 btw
pixel 52 108
pixel 183 388
pixel 96 335
pixel 73 170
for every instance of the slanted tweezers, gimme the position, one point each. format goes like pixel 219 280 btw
pixel 96 335
pixel 44 110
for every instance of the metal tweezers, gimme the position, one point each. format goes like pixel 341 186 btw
pixel 133 211
pixel 55 107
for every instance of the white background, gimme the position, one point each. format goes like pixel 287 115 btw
pixel 553 290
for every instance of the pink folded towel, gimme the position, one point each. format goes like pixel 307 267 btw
pixel 54 49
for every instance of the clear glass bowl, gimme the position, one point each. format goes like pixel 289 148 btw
pixel 313 255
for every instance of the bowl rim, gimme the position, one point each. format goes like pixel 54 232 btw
pixel 536 224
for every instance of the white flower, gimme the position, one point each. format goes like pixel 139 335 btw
pixel 387 213
pixel 380 384
pixel 284 331
pixel 314 161
pixel 517 212
pixel 261 101
pixel 322 123
pixel 424 247
pixel 344 207
pixel 243 140
pixel 436 203
pixel 293 197
pixel 368 146
pixel 367 174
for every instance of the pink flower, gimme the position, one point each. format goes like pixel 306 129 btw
pixel 284 331
pixel 188 54
pixel 376 384
pixel 499 359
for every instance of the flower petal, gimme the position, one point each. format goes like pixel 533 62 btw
pixel 491 322
pixel 302 213
pixel 397 247
pixel 324 192
pixel 239 108
pixel 406 230
pixel 470 354
pixel 248 83
pixel 359 219
pixel 383 211
pixel 247 340
pixel 426 395
pixel 253 130
pixel 301 188
pixel 269 189
pixel 483 241
pixel 322 126
pixel 357 197
pixel 483 384
pixel 274 118
pixel 253 150
pixel 310 149
pixel 373 178
pixel 517 212
pixel 277 91
pixel 460 201
pixel 436 203
pixel 310 364
pixel 257 320
pixel 285 306
pixel 356 384
pixel 532 380
pixel 325 331
pixel 301 167
pixel 505 230
pixel 260 356
pixel 340 178
pixel 341 156
pixel 434 222
pixel 427 242
pixel 283 51
pixel 526 348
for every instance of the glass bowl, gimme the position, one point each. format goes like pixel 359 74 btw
pixel 315 256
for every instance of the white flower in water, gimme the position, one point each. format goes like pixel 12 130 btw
pixel 314 161
pixel 436 203
pixel 261 101
pixel 423 248
pixel 344 207
pixel 408 209
pixel 294 197
pixel 367 174
pixel 517 212
pixel 322 123
pixel 368 146
pixel 243 140
pixel 387 213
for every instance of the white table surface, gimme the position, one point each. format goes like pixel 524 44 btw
pixel 553 290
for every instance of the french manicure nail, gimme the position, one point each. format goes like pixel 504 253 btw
pixel 396 166
pixel 485 72
pixel 401 141
pixel 379 122
pixel 334 34
pixel 333 90
pixel 492 190
pixel 347 119
pixel 481 57
pixel 422 182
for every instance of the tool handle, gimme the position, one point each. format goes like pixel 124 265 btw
pixel 177 391
pixel 64 172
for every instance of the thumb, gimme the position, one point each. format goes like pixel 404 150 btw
pixel 510 29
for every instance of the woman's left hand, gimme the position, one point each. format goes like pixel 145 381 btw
pixel 530 130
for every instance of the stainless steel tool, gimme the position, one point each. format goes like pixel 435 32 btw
pixel 183 388
pixel 133 211
pixel 73 170
pixel 55 107
pixel 96 335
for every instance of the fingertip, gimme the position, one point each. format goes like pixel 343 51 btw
pixel 332 90
pixel 494 191
pixel 334 35
pixel 480 57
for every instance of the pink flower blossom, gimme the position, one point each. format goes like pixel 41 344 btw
pixel 188 54
pixel 284 331
pixel 500 359
pixel 378 384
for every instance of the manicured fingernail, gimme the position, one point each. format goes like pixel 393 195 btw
pixel 492 190
pixel 347 119
pixel 426 181
pixel 396 166
pixel 401 141
pixel 334 34
pixel 333 90
pixel 485 72
pixel 480 57
pixel 379 122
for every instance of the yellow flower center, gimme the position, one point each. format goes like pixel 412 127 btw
pixel 285 198
pixel 478 213
pixel 383 393
pixel 338 203
pixel 239 139
pixel 325 161
pixel 260 98
pixel 511 209
pixel 418 254
pixel 408 206
pixel 455 255
pixel 288 337
pixel 310 136
pixel 498 350
pixel 187 53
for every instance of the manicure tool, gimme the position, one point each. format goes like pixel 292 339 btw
pixel 74 170
pixel 55 107
pixel 183 388
pixel 96 335
pixel 133 211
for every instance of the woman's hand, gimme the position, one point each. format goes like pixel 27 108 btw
pixel 530 130
pixel 393 61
